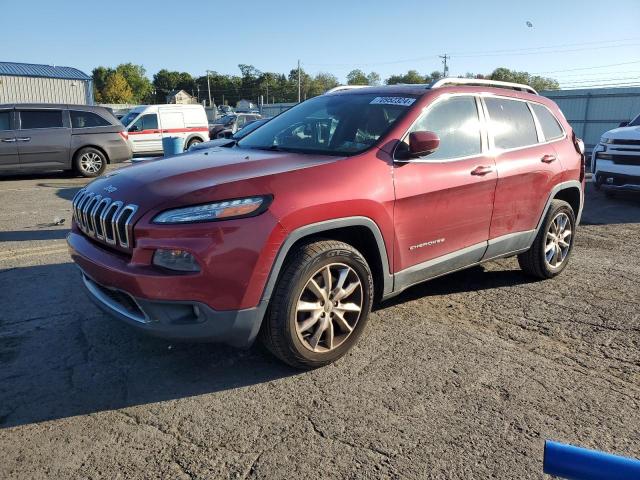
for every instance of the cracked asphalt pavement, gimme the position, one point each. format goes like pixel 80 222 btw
pixel 461 377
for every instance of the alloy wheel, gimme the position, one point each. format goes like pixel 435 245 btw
pixel 558 240
pixel 90 162
pixel 329 307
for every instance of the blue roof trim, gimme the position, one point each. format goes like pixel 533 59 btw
pixel 35 70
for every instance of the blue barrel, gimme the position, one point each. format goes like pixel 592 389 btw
pixel 172 146
pixel 575 463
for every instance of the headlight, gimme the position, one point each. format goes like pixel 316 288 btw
pixel 606 140
pixel 228 209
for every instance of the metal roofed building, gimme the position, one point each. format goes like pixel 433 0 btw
pixel 593 111
pixel 32 83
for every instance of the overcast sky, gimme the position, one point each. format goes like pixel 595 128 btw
pixel 334 36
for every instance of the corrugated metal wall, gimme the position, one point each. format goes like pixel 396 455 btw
pixel 591 112
pixel 15 89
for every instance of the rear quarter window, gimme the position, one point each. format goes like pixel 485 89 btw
pixel 81 119
pixel 550 126
pixel 511 123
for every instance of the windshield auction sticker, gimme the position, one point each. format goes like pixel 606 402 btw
pixel 403 101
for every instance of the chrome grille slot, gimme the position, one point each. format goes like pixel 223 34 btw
pixel 104 219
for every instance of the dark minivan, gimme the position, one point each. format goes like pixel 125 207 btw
pixel 40 137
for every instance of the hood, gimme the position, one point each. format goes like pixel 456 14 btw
pixel 623 133
pixel 152 184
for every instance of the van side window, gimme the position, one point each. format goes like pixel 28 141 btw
pixel 550 126
pixel 40 119
pixel 5 120
pixel 87 119
pixel 511 123
pixel 147 122
pixel 457 124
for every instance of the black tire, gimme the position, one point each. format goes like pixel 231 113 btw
pixel 89 162
pixel 534 262
pixel 279 333
pixel 193 141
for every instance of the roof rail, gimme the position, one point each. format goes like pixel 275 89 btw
pixel 443 82
pixel 339 88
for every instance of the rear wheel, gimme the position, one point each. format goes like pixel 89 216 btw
pixel 193 141
pixel 320 305
pixel 550 251
pixel 89 162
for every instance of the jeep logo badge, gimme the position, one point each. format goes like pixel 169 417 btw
pixel 110 188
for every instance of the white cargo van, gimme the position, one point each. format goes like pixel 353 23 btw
pixel 146 125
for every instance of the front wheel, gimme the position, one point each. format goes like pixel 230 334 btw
pixel 90 162
pixel 193 141
pixel 550 251
pixel 320 305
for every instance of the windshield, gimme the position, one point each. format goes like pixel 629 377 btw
pixel 635 122
pixel 247 129
pixel 129 117
pixel 331 124
pixel 226 119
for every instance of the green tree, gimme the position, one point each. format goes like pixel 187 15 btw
pixel 373 78
pixel 116 89
pixel 539 83
pixel 412 76
pixel 99 76
pixel 321 83
pixel 357 77
pixel 136 77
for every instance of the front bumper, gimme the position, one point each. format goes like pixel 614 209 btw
pixel 159 305
pixel 617 181
pixel 187 321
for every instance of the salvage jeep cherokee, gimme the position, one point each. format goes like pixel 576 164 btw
pixel 291 233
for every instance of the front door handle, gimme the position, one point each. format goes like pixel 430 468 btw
pixel 548 159
pixel 24 139
pixel 481 170
pixel 8 140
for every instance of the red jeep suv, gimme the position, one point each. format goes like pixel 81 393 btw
pixel 292 232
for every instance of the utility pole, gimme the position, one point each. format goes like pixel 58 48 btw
pixel 445 70
pixel 298 81
pixel 209 88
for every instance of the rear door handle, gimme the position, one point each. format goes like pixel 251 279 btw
pixel 548 159
pixel 24 139
pixel 8 140
pixel 481 170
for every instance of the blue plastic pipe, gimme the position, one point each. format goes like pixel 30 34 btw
pixel 575 463
pixel 172 146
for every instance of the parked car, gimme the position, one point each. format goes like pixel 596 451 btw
pixel 60 137
pixel 147 124
pixel 291 235
pixel 226 126
pixel 221 142
pixel 615 161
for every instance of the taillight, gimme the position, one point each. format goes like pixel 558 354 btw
pixel 124 135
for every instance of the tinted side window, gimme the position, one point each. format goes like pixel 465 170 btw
pixel 87 119
pixel 40 119
pixel 147 122
pixel 5 120
pixel 457 124
pixel 550 126
pixel 511 123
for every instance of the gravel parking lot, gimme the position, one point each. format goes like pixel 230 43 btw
pixel 462 377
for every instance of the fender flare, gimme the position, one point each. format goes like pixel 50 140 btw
pixel 554 191
pixel 325 226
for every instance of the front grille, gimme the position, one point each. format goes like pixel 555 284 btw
pixel 104 219
pixel 620 159
pixel 618 141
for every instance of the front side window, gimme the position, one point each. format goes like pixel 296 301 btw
pixel 456 122
pixel 87 119
pixel 40 119
pixel 5 120
pixel 511 123
pixel 129 117
pixel 146 122
pixel 343 124
pixel 550 126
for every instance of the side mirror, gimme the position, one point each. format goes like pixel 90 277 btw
pixel 423 143
pixel 623 124
pixel 133 128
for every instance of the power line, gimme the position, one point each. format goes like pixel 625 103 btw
pixel 588 68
